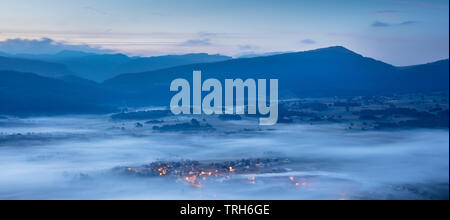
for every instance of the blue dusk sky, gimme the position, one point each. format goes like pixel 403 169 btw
pixel 400 32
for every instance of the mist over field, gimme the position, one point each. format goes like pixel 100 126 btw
pixel 74 157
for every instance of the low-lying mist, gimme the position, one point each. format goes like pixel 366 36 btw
pixel 74 158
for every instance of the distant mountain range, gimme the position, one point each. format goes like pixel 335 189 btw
pixel 162 62
pixel 99 67
pixel 324 72
pixel 333 71
pixel 29 94
pixel 3 54
pixel 43 68
pixel 253 55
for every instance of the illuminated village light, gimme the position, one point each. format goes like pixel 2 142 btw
pixel 196 173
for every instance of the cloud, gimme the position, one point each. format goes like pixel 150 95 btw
pixel 307 41
pixel 44 46
pixel 200 39
pixel 207 34
pixel 380 24
pixel 384 24
pixel 247 47
pixel 197 42
pixel 408 22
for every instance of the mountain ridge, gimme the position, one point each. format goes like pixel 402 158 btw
pixel 334 71
pixel 99 67
pixel 323 72
pixel 43 68
pixel 24 93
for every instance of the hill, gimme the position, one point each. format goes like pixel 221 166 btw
pixel 28 93
pixel 99 67
pixel 162 62
pixel 323 72
pixel 431 76
pixel 43 68
pixel 334 71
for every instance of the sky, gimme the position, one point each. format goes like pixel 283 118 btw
pixel 399 32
